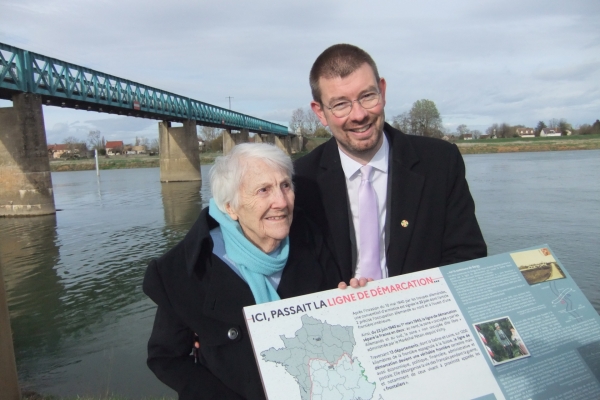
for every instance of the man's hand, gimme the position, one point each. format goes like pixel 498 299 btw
pixel 355 283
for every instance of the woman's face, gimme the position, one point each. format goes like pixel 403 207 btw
pixel 265 205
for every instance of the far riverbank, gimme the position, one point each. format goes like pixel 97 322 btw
pixel 519 145
pixel 118 162
pixel 481 146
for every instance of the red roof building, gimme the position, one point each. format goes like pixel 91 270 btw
pixel 113 147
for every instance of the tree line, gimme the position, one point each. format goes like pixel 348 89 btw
pixel 424 119
pixel 212 137
pixel 306 123
pixel 95 141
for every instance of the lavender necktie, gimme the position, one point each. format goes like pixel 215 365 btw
pixel 368 220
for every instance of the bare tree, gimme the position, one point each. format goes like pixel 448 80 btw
pixel 505 130
pixel 462 130
pixel 554 124
pixel 492 130
pixel 94 140
pixel 313 123
pixel 153 146
pixel 208 133
pixel 502 130
pixel 298 122
pixel 141 141
pixel 75 146
pixel 476 134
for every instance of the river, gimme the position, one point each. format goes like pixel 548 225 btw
pixel 73 280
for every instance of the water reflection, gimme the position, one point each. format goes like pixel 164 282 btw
pixel 182 203
pixel 79 317
pixel 31 283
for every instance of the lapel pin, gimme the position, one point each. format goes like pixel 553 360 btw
pixel 404 223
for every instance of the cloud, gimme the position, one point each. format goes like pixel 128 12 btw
pixel 486 62
pixel 62 123
pixel 578 72
pixel 123 124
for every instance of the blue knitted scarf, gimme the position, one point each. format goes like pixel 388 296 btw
pixel 254 264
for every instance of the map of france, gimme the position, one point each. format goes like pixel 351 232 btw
pixel 319 357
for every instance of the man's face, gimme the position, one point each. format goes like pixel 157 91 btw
pixel 360 134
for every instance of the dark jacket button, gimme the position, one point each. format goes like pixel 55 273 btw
pixel 232 333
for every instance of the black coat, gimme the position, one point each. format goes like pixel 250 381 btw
pixel 428 191
pixel 196 292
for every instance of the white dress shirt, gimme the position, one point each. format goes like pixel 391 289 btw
pixel 379 180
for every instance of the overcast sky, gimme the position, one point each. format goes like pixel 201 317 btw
pixel 481 62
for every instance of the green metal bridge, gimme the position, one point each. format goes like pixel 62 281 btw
pixel 68 85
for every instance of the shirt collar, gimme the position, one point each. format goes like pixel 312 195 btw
pixel 379 160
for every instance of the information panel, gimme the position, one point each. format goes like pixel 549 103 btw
pixel 510 326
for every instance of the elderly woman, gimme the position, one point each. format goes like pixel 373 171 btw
pixel 242 250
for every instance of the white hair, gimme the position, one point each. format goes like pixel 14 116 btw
pixel 228 172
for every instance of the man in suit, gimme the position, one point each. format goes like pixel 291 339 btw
pixel 421 212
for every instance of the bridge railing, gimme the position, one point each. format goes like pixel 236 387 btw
pixel 24 71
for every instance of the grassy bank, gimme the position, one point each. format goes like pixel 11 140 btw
pixel 118 162
pixel 486 146
pixel 482 146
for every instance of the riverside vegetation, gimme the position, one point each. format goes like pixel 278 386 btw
pixel 478 146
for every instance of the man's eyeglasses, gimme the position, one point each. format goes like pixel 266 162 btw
pixel 367 101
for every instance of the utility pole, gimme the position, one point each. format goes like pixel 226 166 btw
pixel 229 97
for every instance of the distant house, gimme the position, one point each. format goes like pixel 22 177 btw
pixel 60 150
pixel 57 150
pixel 114 147
pixel 468 136
pixel 139 149
pixel 525 132
pixel 550 132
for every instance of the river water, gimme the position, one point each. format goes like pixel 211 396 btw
pixel 81 321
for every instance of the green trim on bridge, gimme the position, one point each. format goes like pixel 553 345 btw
pixel 68 85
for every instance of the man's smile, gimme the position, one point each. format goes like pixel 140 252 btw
pixel 361 129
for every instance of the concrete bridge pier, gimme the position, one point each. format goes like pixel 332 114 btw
pixel 284 143
pixel 179 153
pixel 25 181
pixel 269 138
pixel 231 139
pixel 228 141
pixel 297 143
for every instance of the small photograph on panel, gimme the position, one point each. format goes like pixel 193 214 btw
pixel 538 265
pixel 501 340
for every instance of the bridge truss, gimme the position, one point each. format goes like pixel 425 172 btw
pixel 72 86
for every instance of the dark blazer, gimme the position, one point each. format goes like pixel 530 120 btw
pixel 196 292
pixel 428 191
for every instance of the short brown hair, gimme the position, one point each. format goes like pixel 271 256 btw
pixel 339 60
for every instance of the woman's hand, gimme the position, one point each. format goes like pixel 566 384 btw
pixel 355 283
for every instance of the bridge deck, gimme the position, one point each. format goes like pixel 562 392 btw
pixel 72 86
